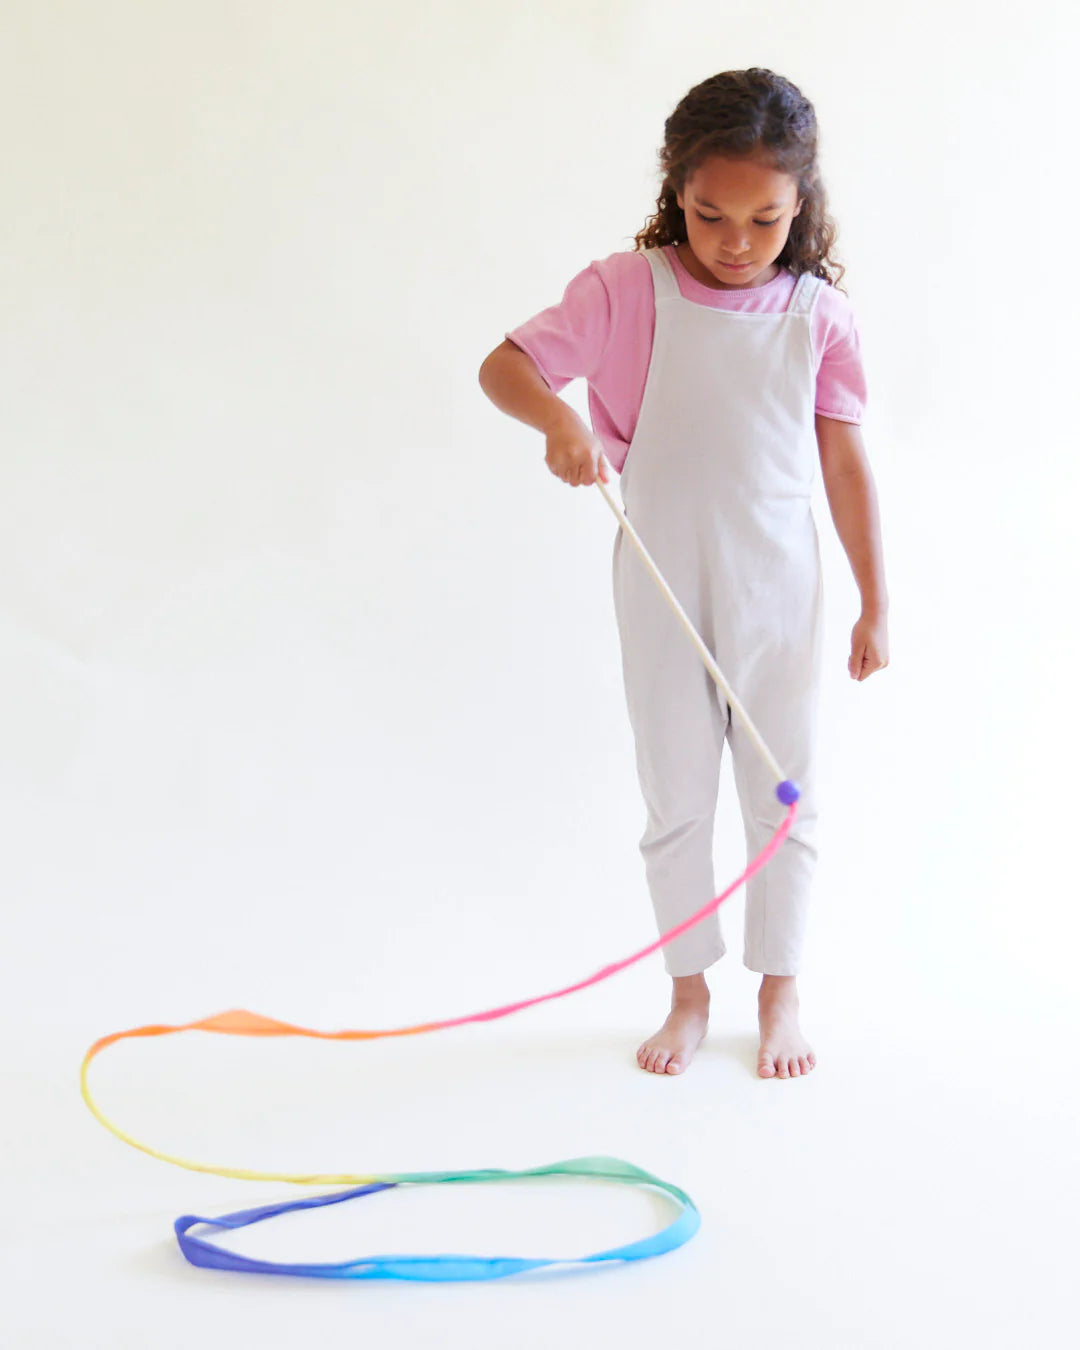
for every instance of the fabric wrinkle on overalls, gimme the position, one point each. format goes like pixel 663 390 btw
pixel 717 482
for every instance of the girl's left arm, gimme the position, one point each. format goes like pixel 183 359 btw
pixel 849 486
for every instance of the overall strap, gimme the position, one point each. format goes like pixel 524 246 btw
pixel 664 283
pixel 805 293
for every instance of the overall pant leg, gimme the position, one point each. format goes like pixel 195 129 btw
pixel 783 706
pixel 679 725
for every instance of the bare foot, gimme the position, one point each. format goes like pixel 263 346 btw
pixel 671 1049
pixel 785 1052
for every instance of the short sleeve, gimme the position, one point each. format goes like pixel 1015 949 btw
pixel 841 380
pixel 567 340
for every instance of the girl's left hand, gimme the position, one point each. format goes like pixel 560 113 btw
pixel 869 646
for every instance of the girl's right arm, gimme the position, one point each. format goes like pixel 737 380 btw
pixel 509 378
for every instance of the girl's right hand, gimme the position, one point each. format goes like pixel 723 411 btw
pixel 575 454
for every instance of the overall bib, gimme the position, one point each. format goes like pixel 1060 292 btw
pixel 717 482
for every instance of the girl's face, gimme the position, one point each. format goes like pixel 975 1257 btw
pixel 738 211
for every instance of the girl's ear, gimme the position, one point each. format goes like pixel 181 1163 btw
pixel 798 208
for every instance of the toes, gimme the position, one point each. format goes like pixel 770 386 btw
pixel 675 1064
pixel 792 1066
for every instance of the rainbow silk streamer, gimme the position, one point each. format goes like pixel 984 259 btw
pixel 448 1266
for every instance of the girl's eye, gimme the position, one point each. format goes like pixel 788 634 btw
pixel 712 219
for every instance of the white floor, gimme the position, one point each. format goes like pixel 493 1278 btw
pixel 918 1189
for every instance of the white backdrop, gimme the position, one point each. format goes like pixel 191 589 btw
pixel 309 667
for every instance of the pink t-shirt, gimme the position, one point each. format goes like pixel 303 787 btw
pixel 602 330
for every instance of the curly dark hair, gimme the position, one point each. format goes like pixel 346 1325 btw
pixel 739 114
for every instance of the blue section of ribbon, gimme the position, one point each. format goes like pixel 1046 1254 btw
pixel 441 1267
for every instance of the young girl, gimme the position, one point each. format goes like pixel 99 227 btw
pixel 722 363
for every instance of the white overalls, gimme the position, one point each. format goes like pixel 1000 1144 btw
pixel 717 483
